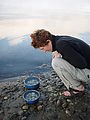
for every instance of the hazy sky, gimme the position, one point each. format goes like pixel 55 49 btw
pixel 20 17
pixel 37 7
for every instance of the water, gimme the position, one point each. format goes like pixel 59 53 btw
pixel 20 59
pixel 32 82
pixel 31 96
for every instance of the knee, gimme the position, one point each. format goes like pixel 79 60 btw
pixel 53 61
pixel 56 62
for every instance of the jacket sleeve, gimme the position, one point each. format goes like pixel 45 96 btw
pixel 71 55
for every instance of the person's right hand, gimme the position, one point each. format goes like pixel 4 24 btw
pixel 56 54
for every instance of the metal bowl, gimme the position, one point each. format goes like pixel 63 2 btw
pixel 32 83
pixel 31 96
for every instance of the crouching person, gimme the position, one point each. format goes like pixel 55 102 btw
pixel 70 59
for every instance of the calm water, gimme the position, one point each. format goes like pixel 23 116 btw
pixel 20 58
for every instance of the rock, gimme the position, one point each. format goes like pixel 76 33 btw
pixel 39 107
pixel 24 118
pixel 50 88
pixel 1 111
pixel 32 108
pixel 20 112
pixel 0 103
pixel 25 107
pixel 68 112
pixel 68 100
pixel 54 100
pixel 24 110
pixel 70 104
pixel 51 105
pixel 18 80
pixel 5 98
pixel 40 102
pixel 14 116
pixel 64 105
pixel 50 99
pixel 58 102
pixel 60 93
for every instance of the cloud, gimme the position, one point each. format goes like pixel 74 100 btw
pixel 17 39
pixel 56 22
pixel 64 24
pixel 14 41
pixel 34 7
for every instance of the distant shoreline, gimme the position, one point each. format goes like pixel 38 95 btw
pixel 12 77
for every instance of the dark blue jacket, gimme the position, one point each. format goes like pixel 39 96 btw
pixel 73 50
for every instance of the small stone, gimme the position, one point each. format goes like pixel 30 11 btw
pixel 18 80
pixel 25 107
pixel 32 108
pixel 71 104
pixel 49 89
pixel 50 99
pixel 75 102
pixel 1 111
pixel 14 116
pixel 58 102
pixel 60 93
pixel 20 112
pixel 68 112
pixel 24 118
pixel 40 102
pixel 64 105
pixel 68 100
pixel 55 95
pixel 24 110
pixel 39 107
pixel 54 100
pixel 5 98
pixel 0 102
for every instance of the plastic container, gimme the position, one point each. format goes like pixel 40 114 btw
pixel 32 83
pixel 31 96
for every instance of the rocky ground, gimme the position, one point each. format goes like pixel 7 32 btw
pixel 51 106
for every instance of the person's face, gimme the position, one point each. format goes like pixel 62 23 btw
pixel 47 47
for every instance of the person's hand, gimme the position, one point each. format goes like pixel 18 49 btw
pixel 56 54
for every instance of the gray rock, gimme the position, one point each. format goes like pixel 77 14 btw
pixel 25 107
pixel 50 88
pixel 51 105
pixel 68 112
pixel 5 98
pixel 58 102
pixel 20 112
pixel 40 107
pixel 24 118
pixel 1 111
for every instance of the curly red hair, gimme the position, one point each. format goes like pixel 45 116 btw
pixel 40 37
